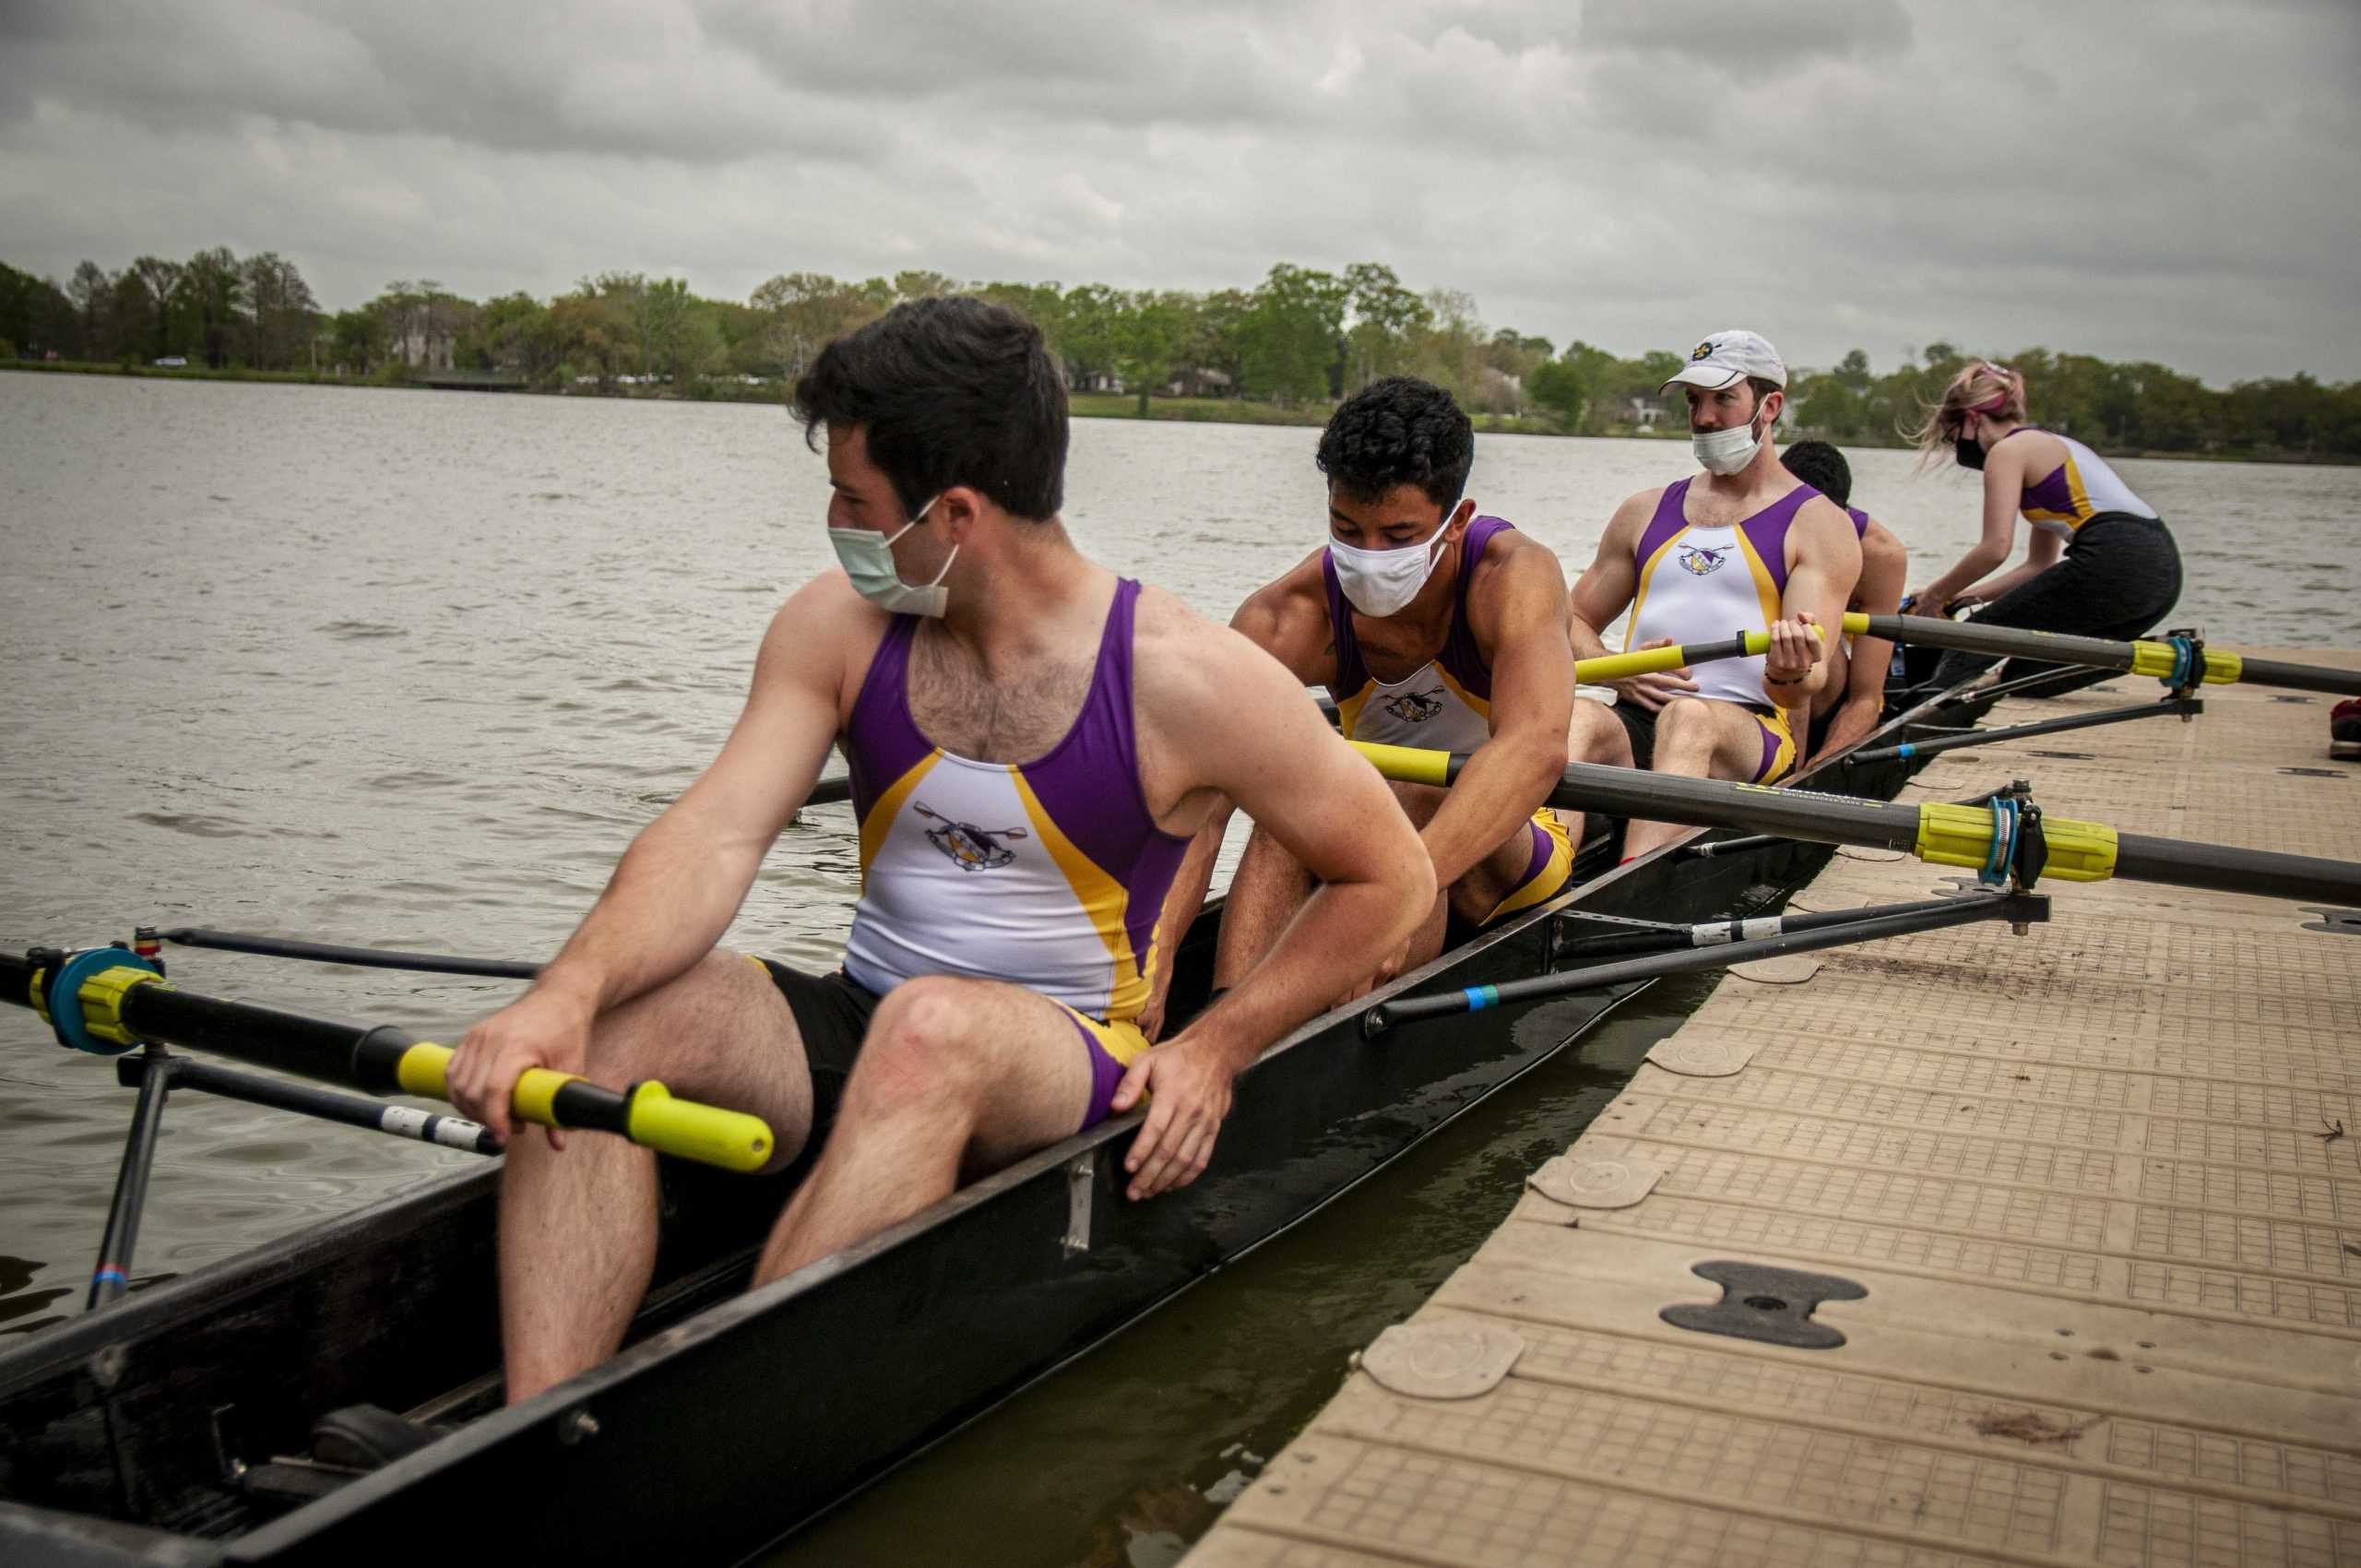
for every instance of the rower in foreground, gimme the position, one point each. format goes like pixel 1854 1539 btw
pixel 2100 562
pixel 1432 626
pixel 1742 547
pixel 1852 697
pixel 1033 743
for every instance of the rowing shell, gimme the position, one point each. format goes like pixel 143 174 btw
pixel 172 1426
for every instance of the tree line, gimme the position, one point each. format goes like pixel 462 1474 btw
pixel 1300 338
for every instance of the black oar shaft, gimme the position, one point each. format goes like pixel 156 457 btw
pixel 1706 802
pixel 2022 908
pixel 2225 868
pixel 331 953
pixel 2101 653
pixel 2300 677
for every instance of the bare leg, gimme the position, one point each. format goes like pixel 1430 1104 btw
pixel 1697 739
pixel 952 1070
pixel 577 1229
pixel 1265 895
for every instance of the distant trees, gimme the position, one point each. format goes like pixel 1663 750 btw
pixel 1301 336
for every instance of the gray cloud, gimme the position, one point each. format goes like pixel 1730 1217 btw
pixel 2166 181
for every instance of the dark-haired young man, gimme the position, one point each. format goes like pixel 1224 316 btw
pixel 1739 548
pixel 1847 704
pixel 1033 743
pixel 1432 627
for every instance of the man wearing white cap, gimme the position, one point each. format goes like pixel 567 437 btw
pixel 1742 547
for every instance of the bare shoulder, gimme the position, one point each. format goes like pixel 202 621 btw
pixel 1882 545
pixel 1823 522
pixel 823 636
pixel 1518 569
pixel 1634 514
pixel 1181 660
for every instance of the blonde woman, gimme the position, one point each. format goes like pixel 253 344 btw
pixel 2100 562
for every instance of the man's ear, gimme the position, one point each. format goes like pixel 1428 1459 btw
pixel 962 508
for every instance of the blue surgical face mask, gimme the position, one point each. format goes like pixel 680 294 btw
pixel 867 557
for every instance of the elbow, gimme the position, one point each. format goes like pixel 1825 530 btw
pixel 1542 756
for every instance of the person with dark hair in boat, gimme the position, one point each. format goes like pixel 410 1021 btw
pixel 2100 562
pixel 1847 704
pixel 1435 627
pixel 1742 547
pixel 1033 743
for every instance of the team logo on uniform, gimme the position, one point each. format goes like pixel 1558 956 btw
pixel 970 848
pixel 1700 563
pixel 1704 350
pixel 1413 708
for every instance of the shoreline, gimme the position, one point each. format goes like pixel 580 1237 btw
pixel 1080 405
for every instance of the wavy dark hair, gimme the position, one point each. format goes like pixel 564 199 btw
pixel 947 391
pixel 1398 431
pixel 1822 467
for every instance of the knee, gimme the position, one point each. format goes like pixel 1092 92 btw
pixel 1594 734
pixel 1684 718
pixel 913 1053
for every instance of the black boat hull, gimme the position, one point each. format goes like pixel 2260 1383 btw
pixel 143 1412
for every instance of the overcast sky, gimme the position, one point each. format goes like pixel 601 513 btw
pixel 2167 179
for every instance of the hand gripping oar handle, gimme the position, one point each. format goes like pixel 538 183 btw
pixel 645 1113
pixel 1651 660
pixel 122 1006
pixel 2143 657
pixel 1979 838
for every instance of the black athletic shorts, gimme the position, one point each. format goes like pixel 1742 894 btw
pixel 1640 724
pixel 832 1013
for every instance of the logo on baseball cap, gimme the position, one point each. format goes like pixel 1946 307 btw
pixel 1726 356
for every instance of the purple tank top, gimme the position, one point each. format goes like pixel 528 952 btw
pixel 1048 873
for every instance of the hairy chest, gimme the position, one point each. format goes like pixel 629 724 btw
pixel 1012 715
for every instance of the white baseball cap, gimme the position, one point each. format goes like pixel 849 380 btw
pixel 1726 356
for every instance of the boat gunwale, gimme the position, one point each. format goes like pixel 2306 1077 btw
pixel 164 1309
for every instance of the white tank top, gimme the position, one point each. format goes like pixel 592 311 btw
pixel 2077 490
pixel 1707 585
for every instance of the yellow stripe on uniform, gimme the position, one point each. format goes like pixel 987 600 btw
pixel 1103 898
pixel 880 820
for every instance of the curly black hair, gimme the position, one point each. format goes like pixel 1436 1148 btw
pixel 1398 431
pixel 1822 467
pixel 948 391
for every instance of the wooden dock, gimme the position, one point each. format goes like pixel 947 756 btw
pixel 2096 1192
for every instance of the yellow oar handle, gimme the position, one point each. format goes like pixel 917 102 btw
pixel 1855 623
pixel 648 1116
pixel 706 1133
pixel 1409 764
pixel 1610 667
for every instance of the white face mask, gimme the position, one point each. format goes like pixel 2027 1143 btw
pixel 868 559
pixel 1727 451
pixel 1380 582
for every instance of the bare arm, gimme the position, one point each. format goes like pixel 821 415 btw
pixel 1604 590
pixel 1288 623
pixel 681 881
pixel 2004 483
pixel 1826 565
pixel 1607 585
pixel 1885 565
pixel 1238 727
pixel 1505 780
pixel 2042 551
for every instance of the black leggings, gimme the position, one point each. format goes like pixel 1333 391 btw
pixel 2121 576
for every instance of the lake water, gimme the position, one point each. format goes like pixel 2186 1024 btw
pixel 409 670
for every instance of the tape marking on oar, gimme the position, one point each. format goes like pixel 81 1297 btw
pixel 2179 662
pixel 1986 838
